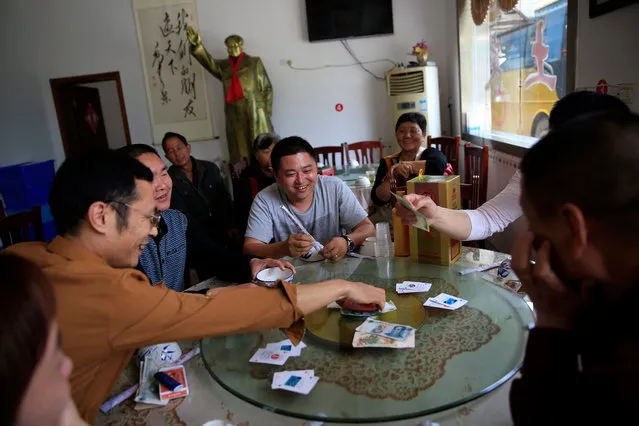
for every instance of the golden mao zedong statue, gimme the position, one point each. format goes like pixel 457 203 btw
pixel 247 90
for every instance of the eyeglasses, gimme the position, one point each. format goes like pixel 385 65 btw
pixel 155 218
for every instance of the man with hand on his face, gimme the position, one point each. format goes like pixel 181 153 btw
pixel 324 205
pixel 580 195
pixel 165 257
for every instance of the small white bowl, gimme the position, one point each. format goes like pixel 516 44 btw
pixel 269 276
pixel 363 181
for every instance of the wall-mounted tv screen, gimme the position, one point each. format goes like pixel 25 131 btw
pixel 339 19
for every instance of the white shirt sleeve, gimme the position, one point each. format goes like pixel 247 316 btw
pixel 498 212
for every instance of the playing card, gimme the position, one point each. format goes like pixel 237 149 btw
pixel 389 307
pixel 422 222
pixel 285 346
pixel 281 377
pixel 412 287
pixel 451 302
pixel 432 304
pixel 392 331
pixel 334 305
pixel 357 314
pixel 294 382
pixel 269 356
pixel 368 340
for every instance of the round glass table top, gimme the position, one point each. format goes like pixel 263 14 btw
pixel 458 355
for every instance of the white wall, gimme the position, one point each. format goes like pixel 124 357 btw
pixel 607 48
pixel 48 39
pixel 111 113
pixel 24 134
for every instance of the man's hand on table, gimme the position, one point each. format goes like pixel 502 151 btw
pixel 335 249
pixel 363 294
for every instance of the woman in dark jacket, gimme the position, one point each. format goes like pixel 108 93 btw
pixel 404 165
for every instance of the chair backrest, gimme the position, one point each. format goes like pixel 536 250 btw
pixel 476 173
pixel 237 168
pixel 365 151
pixel 322 153
pixel 20 227
pixel 449 146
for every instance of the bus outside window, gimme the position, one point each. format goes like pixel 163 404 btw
pixel 527 65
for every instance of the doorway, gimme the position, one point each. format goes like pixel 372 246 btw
pixel 91 112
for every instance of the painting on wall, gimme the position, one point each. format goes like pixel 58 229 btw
pixel 601 7
pixel 175 82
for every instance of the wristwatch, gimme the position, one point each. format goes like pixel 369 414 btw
pixel 350 244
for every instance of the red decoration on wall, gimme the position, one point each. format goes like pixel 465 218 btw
pixel 339 107
pixel 602 86
pixel 92 118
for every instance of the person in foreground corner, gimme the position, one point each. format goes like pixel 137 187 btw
pixel 103 206
pixel 33 368
pixel 324 205
pixel 580 194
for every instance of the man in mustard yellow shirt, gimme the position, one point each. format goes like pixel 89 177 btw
pixel 104 210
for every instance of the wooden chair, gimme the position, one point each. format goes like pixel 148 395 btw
pixel 474 190
pixel 476 172
pixel 367 150
pixel 466 190
pixel 449 146
pixel 20 227
pixel 322 154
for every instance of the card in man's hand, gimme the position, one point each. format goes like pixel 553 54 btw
pixel 422 222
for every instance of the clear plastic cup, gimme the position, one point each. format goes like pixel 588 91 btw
pixel 383 241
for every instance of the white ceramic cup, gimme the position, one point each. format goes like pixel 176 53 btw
pixel 363 181
pixel 269 276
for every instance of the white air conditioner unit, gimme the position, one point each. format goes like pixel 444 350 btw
pixel 415 89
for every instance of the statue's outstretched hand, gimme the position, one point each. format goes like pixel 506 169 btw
pixel 192 35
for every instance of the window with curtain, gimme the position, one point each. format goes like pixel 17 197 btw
pixel 513 66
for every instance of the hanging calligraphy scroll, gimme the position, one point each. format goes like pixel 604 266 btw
pixel 175 82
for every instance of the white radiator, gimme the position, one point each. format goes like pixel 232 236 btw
pixel 501 168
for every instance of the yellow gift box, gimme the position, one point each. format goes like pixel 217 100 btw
pixel 435 247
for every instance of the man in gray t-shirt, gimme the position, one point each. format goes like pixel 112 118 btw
pixel 324 205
